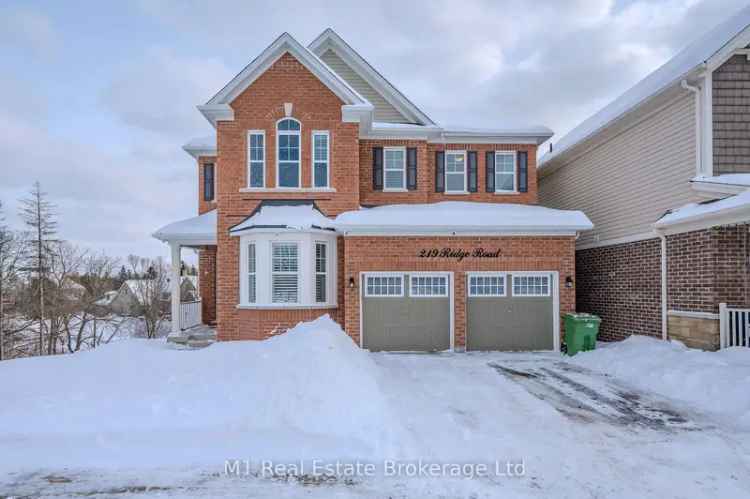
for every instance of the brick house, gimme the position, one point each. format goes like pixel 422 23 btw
pixel 661 172
pixel 326 191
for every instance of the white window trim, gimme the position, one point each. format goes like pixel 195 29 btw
pixel 403 169
pixel 298 133
pixel 466 172
pixel 532 274
pixel 314 159
pixel 384 274
pixel 298 273
pixel 438 275
pixel 265 145
pixel 502 275
pixel 514 156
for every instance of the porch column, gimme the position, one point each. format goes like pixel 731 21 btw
pixel 175 280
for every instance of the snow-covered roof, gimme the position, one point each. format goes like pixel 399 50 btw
pixel 737 179
pixel 440 134
pixel 195 230
pixel 201 146
pixel 303 216
pixel 462 217
pixel 677 68
pixel 733 209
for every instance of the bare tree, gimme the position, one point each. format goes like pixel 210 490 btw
pixel 10 252
pixel 150 293
pixel 40 218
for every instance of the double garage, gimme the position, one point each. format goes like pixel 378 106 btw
pixel 416 311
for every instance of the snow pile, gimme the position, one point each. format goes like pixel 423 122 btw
pixel 294 216
pixel 310 393
pixel 711 382
pixel 733 205
pixel 464 216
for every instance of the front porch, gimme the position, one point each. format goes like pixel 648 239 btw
pixel 193 322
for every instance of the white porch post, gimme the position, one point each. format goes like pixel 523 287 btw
pixel 175 280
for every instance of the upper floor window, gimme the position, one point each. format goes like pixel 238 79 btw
pixel 505 171
pixel 455 171
pixel 321 162
pixel 288 171
pixel 256 158
pixel 209 182
pixel 394 168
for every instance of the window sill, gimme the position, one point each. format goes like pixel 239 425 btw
pixel 287 189
pixel 457 193
pixel 507 193
pixel 395 190
pixel 285 306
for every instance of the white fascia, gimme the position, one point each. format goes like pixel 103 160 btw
pixel 731 216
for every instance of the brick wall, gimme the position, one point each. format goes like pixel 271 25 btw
pixel 731 119
pixel 622 285
pixel 401 254
pixel 425 192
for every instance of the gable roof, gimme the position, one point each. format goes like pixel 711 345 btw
pixel 330 40
pixel 691 58
pixel 217 107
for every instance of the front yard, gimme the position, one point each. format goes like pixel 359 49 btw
pixel 137 418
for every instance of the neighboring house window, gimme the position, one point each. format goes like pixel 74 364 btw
pixel 321 152
pixel 455 171
pixel 433 286
pixel 321 271
pixel 256 158
pixel 285 273
pixel 487 285
pixel 251 275
pixel 209 181
pixel 384 286
pixel 505 171
pixel 288 172
pixel 395 168
pixel 531 285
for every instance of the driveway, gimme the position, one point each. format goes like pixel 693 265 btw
pixel 562 431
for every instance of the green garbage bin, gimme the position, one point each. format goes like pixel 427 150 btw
pixel 580 332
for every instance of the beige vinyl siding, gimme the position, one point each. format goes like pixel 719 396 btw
pixel 384 111
pixel 628 182
pixel 731 116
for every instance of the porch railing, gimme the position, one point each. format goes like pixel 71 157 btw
pixel 734 326
pixel 190 314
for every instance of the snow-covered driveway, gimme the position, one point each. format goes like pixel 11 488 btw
pixel 565 431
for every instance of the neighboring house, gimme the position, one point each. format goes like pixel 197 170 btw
pixel 133 293
pixel 72 290
pixel 680 136
pixel 327 191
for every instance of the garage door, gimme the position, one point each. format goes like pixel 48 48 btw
pixel 406 312
pixel 510 311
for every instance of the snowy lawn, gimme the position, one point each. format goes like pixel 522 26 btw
pixel 138 418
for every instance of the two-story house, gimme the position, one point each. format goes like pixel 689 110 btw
pixel 659 171
pixel 326 191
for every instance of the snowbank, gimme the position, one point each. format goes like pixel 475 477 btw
pixel 712 382
pixel 310 393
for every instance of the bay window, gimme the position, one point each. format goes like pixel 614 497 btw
pixel 251 279
pixel 288 171
pixel 321 278
pixel 285 273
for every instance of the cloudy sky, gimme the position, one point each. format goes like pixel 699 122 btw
pixel 98 97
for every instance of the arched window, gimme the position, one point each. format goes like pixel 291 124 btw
pixel 288 171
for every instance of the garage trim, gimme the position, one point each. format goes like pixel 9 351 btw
pixel 554 289
pixel 362 282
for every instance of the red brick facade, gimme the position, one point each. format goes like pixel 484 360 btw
pixel 316 107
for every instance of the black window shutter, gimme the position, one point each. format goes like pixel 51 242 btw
pixel 439 171
pixel 472 163
pixel 523 171
pixel 411 168
pixel 208 182
pixel 489 171
pixel 377 168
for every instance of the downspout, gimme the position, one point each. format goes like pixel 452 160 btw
pixel 698 127
pixel 663 239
